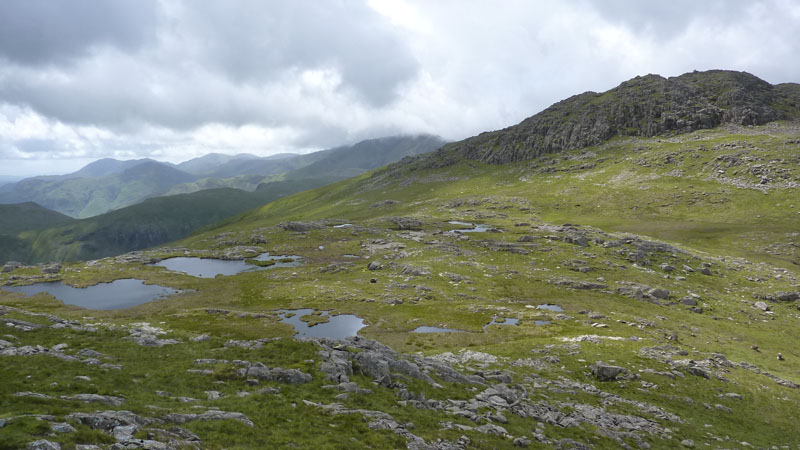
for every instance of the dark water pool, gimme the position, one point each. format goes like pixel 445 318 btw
pixel 210 268
pixel 337 327
pixel 117 294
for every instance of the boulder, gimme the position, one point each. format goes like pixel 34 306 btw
pixel 606 372
pixel 761 305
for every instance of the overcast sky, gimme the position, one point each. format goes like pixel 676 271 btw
pixel 172 79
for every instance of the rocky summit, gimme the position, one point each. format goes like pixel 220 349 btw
pixel 621 270
pixel 644 106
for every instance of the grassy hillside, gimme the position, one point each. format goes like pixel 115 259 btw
pixel 656 249
pixel 642 292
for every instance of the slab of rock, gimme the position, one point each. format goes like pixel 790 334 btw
pixel 43 444
pixel 606 372
pixel 95 398
pixel 210 415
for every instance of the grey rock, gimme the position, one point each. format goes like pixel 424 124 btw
pixel 209 415
pixel 300 226
pixel 11 265
pixel 374 265
pixel 108 420
pixel 406 223
pixel 291 376
pixel 688 443
pixel 659 293
pixel 761 305
pixel 606 372
pixel 688 301
pixel 698 372
pixel 89 353
pixel 61 427
pixel 522 442
pixel 43 444
pixel 51 268
pixel 95 398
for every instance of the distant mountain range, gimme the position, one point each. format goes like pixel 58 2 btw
pixel 108 184
pixel 137 215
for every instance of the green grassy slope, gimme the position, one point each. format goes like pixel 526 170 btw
pixel 657 249
pixel 709 217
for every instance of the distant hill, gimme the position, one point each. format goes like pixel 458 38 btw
pixel 107 166
pixel 80 195
pixel 352 160
pixel 207 164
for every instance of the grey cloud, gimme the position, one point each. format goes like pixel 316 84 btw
pixel 36 32
pixel 666 19
pixel 252 39
pixel 213 62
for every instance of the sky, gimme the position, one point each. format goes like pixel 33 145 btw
pixel 176 79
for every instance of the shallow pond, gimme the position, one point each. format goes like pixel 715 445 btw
pixel 114 295
pixel 542 322
pixel 337 327
pixel 550 307
pixel 510 321
pixel 436 330
pixel 210 268
pixel 479 228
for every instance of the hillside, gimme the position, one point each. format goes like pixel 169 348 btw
pixel 16 218
pixel 98 188
pixel 644 106
pixel 639 292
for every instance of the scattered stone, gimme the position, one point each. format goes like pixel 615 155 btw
pixel 374 265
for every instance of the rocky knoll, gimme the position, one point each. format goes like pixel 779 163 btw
pixel 643 106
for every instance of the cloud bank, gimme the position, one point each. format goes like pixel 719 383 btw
pixel 175 79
